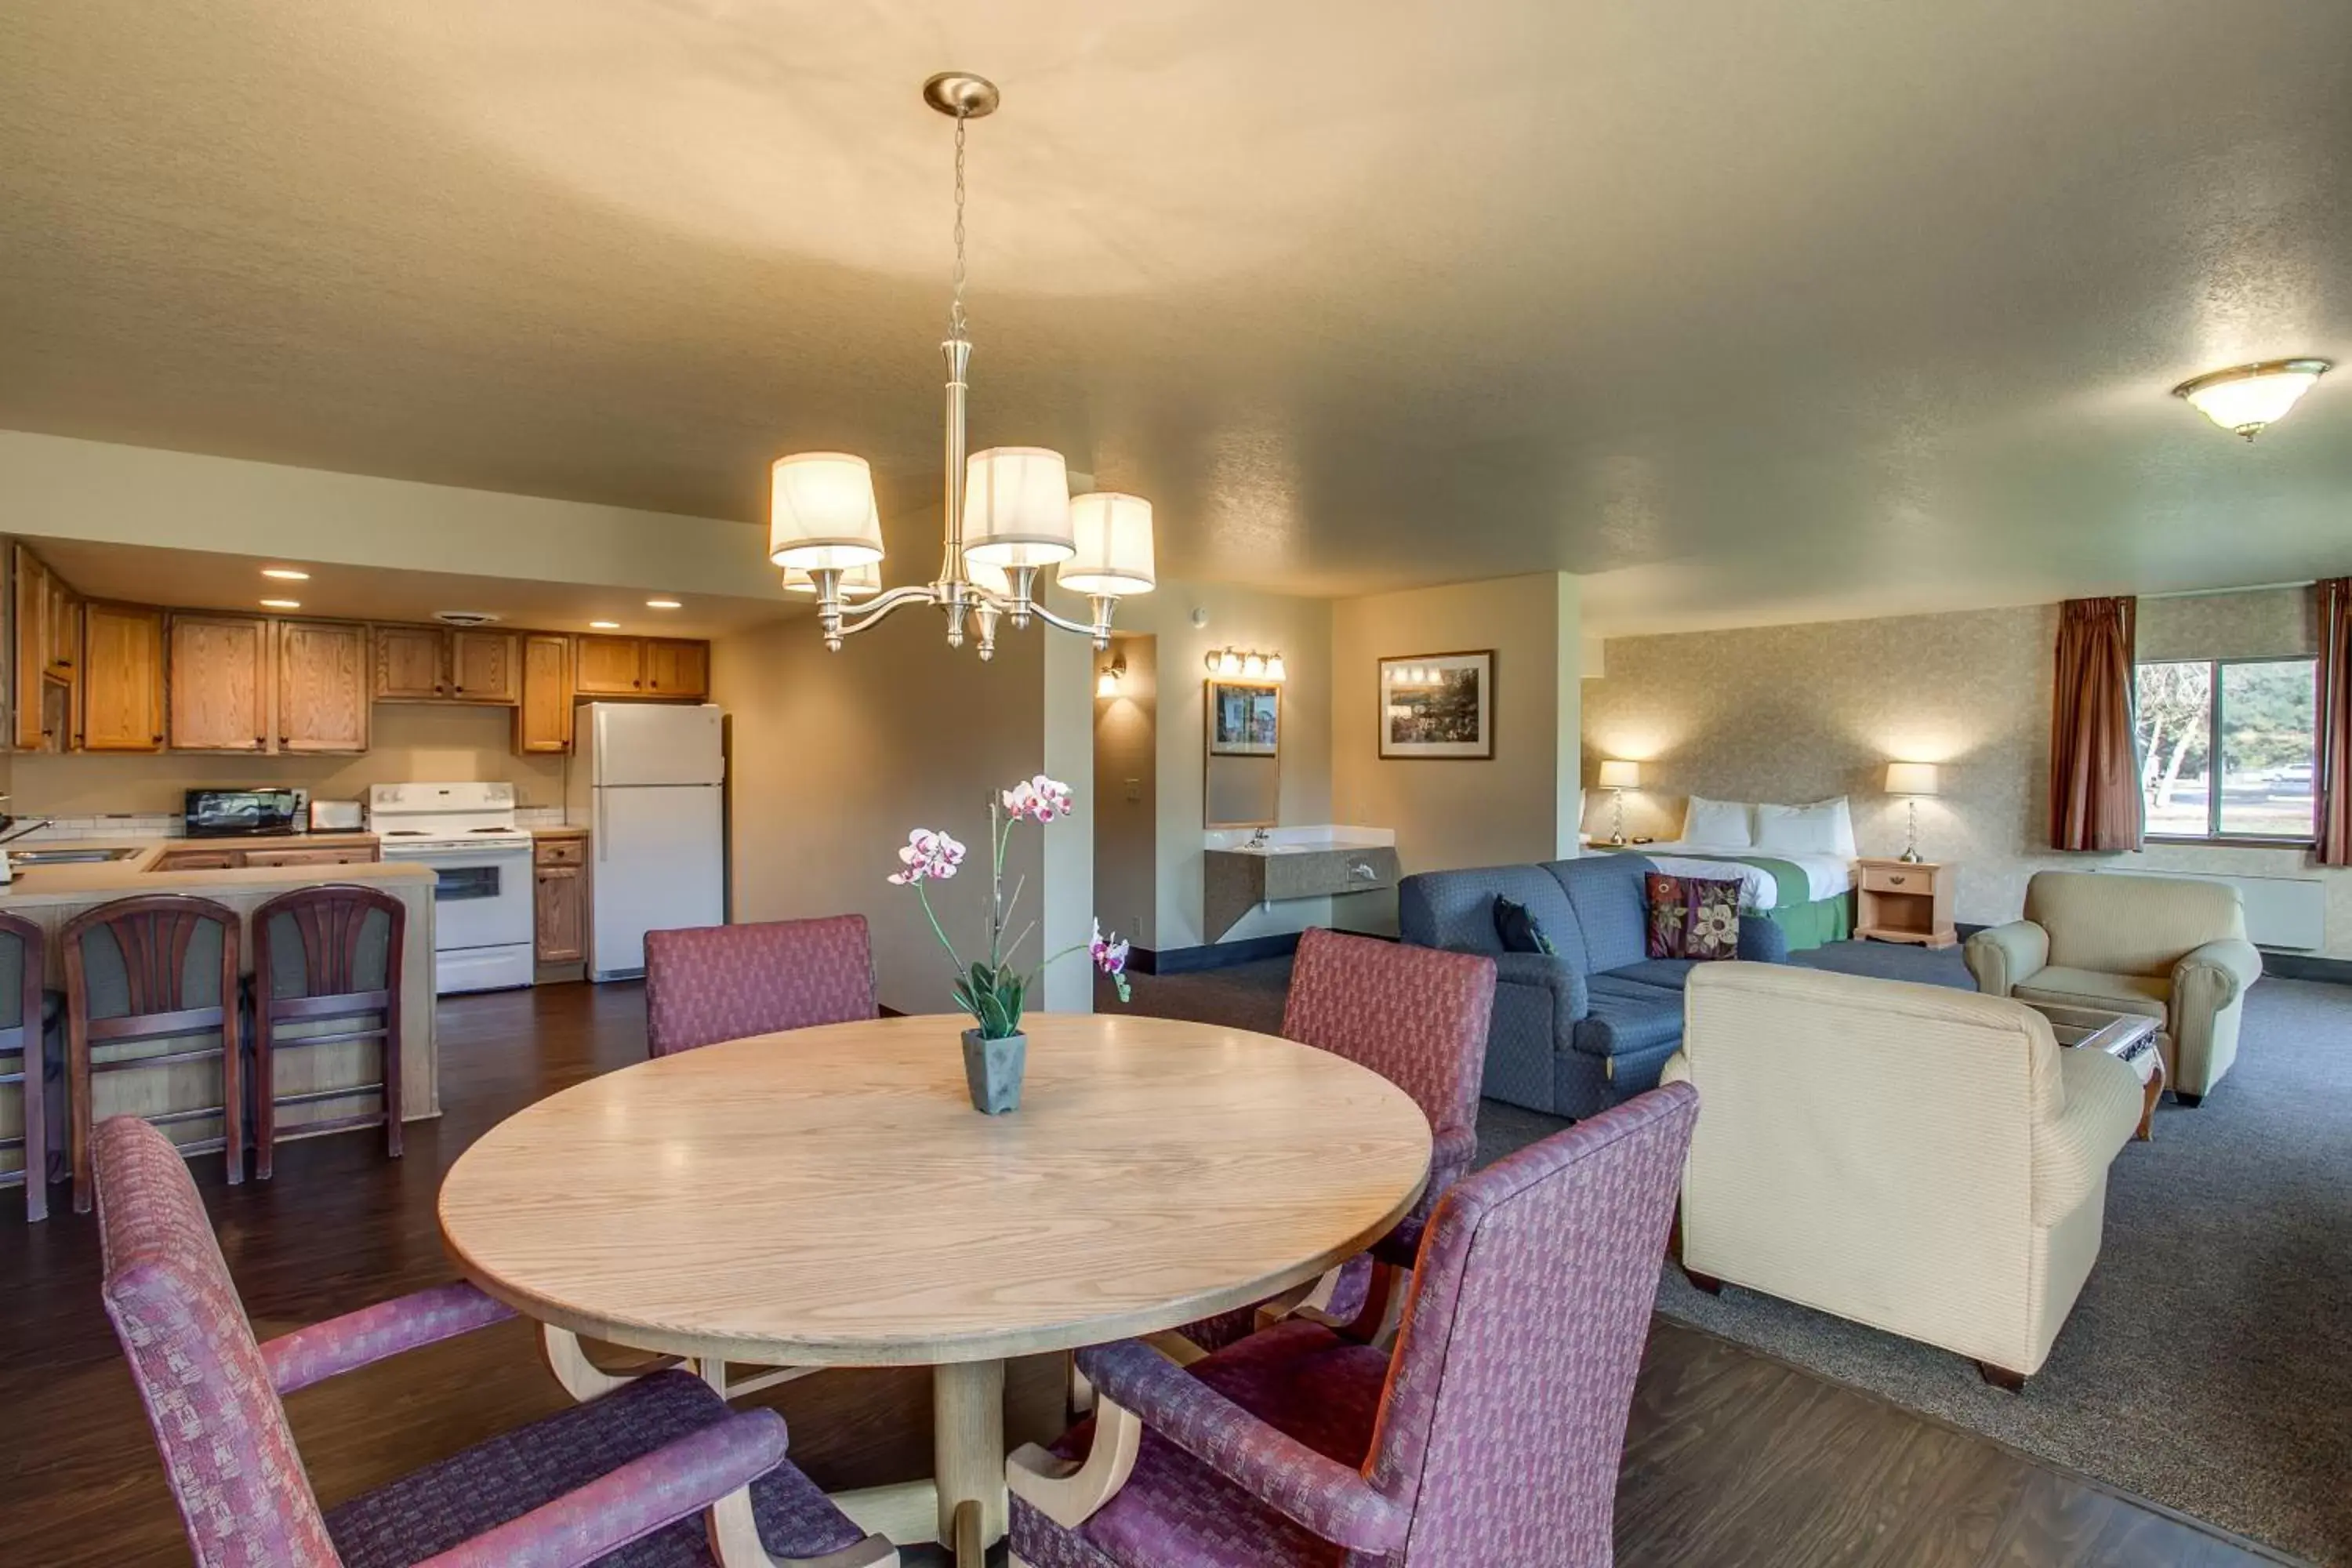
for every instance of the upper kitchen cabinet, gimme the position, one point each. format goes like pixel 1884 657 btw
pixel 30 657
pixel 408 664
pixel 220 683
pixel 675 667
pixel 543 718
pixel 322 685
pixel 121 677
pixel 610 667
pixel 483 667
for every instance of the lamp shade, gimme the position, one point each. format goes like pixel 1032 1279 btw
pixel 1113 536
pixel 1911 778
pixel 856 582
pixel 1016 507
pixel 821 512
pixel 1616 775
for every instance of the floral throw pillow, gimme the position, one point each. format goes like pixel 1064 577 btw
pixel 1692 917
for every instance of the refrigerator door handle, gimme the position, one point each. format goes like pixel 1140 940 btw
pixel 604 839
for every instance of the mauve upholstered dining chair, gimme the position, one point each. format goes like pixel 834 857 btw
pixel 1417 1017
pixel 650 1476
pixel 1491 1436
pixel 721 983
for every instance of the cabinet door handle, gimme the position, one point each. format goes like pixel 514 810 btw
pixel 1894 882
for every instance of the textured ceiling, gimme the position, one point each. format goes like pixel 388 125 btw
pixel 1749 311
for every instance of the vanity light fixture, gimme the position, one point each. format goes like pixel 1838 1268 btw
pixel 286 574
pixel 1244 664
pixel 2247 399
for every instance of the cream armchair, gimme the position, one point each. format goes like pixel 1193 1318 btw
pixel 1916 1158
pixel 2173 950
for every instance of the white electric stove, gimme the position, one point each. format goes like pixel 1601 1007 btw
pixel 482 922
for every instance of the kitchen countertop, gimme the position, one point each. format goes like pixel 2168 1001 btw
pixel 135 873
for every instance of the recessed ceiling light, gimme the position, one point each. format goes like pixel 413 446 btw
pixel 662 604
pixel 2249 397
pixel 281 604
pixel 286 574
pixel 604 626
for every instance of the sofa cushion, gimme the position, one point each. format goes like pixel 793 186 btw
pixel 1665 973
pixel 1517 930
pixel 1692 917
pixel 1455 909
pixel 1611 915
pixel 1629 1018
pixel 2143 994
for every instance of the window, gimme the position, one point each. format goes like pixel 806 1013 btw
pixel 2253 722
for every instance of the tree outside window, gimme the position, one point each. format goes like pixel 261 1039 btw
pixel 2253 723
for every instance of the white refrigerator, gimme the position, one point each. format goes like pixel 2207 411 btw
pixel 646 782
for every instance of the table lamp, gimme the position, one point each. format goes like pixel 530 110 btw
pixel 1911 780
pixel 1617 777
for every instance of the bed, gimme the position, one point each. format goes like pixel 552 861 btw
pixel 1809 895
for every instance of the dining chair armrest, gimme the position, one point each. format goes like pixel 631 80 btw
pixel 1318 1493
pixel 675 1482
pixel 343 1344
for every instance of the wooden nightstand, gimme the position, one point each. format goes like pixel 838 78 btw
pixel 1905 900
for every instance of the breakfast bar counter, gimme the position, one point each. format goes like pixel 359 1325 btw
pixel 51 895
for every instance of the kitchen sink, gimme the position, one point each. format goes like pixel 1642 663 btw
pixel 20 858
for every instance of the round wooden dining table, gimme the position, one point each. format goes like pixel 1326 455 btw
pixel 828 1197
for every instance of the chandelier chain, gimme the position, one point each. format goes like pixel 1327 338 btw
pixel 955 310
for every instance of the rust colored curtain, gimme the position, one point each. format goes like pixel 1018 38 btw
pixel 2335 771
pixel 2094 756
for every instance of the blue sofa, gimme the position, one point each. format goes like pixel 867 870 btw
pixel 1575 1032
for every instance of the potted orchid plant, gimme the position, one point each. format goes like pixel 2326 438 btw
pixel 993 990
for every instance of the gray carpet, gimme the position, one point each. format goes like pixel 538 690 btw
pixel 2209 1362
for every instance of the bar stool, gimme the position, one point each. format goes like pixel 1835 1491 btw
pixel 23 951
pixel 326 961
pixel 158 969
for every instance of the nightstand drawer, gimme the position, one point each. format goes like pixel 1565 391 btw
pixel 1879 878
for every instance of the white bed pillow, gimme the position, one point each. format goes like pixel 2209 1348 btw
pixel 1718 824
pixel 1824 827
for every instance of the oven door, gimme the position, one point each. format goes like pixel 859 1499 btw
pixel 478 899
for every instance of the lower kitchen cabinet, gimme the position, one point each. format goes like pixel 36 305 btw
pixel 559 868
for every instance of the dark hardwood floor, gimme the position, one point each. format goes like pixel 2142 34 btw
pixel 1733 1457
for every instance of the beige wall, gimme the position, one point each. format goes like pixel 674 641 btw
pixel 1127 795
pixel 835 757
pixel 1521 805
pixel 1800 712
pixel 411 742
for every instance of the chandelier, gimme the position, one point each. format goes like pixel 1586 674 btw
pixel 1009 511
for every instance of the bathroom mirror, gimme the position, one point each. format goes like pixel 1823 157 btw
pixel 1242 785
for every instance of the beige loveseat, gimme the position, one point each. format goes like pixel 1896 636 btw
pixel 1920 1159
pixel 2170 948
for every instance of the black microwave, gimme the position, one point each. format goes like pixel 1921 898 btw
pixel 223 813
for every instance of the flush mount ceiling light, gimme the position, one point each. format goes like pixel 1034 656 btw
pixel 286 574
pixel 1008 510
pixel 281 604
pixel 2246 398
pixel 604 626
pixel 662 604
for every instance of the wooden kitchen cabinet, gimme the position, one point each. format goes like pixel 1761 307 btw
pixel 323 689
pixel 64 628
pixel 30 656
pixel 199 860
pixel 408 664
pixel 560 869
pixel 345 855
pixel 676 667
pixel 483 667
pixel 543 718
pixel 121 677
pixel 219 683
pixel 609 667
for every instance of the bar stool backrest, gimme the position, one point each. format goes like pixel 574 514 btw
pixel 23 951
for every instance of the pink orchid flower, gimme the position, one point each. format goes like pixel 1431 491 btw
pixel 925 854
pixel 1040 799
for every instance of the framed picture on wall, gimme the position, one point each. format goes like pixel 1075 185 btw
pixel 1439 705
pixel 1244 719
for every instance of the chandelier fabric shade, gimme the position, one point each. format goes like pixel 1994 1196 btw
pixel 1112 533
pixel 821 512
pixel 1016 507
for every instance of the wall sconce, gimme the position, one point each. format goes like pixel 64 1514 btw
pixel 1617 776
pixel 1244 664
pixel 1107 683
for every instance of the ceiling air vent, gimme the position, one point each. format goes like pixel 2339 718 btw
pixel 464 617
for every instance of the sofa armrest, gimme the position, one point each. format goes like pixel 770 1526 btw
pixel 2073 1149
pixel 1318 1493
pixel 1761 941
pixel 2217 974
pixel 1571 998
pixel 1676 1070
pixel 675 1481
pixel 339 1345
pixel 2004 957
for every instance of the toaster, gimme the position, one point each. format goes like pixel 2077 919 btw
pixel 334 817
